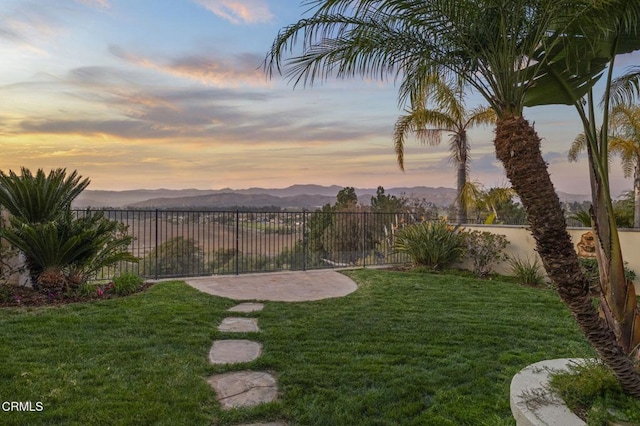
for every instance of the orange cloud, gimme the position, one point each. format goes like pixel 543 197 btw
pixel 238 71
pixel 238 11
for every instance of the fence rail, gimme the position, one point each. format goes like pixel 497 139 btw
pixel 196 243
pixel 172 243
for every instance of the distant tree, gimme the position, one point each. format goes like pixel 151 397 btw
pixel 625 126
pixel 422 210
pixel 383 203
pixel 448 115
pixel 179 256
pixel 624 210
pixel 485 203
pixel 624 122
pixel 346 198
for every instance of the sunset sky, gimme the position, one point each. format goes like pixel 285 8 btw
pixel 171 94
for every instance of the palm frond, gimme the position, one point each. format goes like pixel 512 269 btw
pixel 624 121
pixel 416 122
pixel 481 115
pixel 39 198
pixel 578 146
pixel 626 88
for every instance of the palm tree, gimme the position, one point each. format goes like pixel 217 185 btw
pixel 503 50
pixel 625 126
pixel 475 196
pixel 624 122
pixel 450 116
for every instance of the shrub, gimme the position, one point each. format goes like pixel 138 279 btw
pixel 6 293
pixel 434 245
pixel 245 263
pixel 61 251
pixel 126 283
pixel 485 249
pixel 527 272
pixel 63 254
pixel 179 256
pixel 590 387
pixel 589 266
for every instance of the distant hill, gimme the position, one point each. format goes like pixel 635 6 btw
pixel 236 199
pixel 292 197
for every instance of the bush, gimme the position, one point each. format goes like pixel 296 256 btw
pixel 591 388
pixel 126 283
pixel 527 272
pixel 434 245
pixel 61 251
pixel 589 266
pixel 485 249
pixel 179 256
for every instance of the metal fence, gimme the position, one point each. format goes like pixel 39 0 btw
pixel 196 243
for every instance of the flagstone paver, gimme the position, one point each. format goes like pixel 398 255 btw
pixel 234 351
pixel 244 388
pixel 282 287
pixel 239 325
pixel 247 307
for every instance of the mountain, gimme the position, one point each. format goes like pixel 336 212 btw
pixel 236 199
pixel 119 199
pixel 292 197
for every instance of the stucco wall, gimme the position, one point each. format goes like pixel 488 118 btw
pixel 522 244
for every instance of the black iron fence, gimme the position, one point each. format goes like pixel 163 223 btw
pixel 196 243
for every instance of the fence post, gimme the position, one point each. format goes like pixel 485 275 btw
pixel 304 239
pixel 237 242
pixel 364 239
pixel 156 246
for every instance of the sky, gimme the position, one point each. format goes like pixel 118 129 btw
pixel 172 94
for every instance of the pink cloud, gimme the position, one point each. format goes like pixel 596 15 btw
pixel 238 11
pixel 227 72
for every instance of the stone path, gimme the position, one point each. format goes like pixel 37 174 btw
pixel 250 388
pixel 241 388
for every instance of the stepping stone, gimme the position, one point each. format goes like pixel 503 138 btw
pixel 247 307
pixel 244 388
pixel 234 351
pixel 239 325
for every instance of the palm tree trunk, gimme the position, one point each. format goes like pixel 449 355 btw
pixel 461 211
pixel 462 156
pixel 518 148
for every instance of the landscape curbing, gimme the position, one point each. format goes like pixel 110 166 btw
pixel 533 403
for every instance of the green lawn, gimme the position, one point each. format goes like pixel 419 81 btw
pixel 405 348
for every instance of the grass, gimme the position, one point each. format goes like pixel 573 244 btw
pixel 406 348
pixel 591 390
